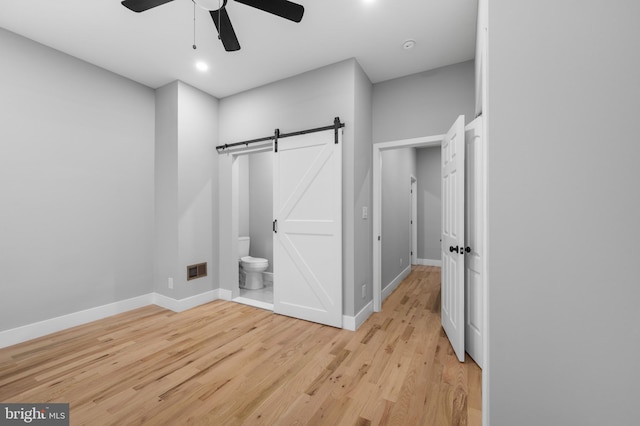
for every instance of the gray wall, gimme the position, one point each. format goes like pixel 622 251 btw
pixel 564 97
pixel 423 104
pixel 261 205
pixel 397 167
pixel 429 225
pixel 244 195
pixel 76 184
pixel 186 189
pixel 166 188
pixel 362 188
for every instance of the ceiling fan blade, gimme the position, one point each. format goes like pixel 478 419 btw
pixel 142 5
pixel 225 29
pixel 282 8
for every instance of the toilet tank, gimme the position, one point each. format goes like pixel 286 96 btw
pixel 243 246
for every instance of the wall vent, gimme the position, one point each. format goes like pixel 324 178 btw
pixel 196 271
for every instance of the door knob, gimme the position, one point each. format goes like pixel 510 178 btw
pixel 467 249
pixel 454 249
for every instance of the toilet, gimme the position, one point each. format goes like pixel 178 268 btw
pixel 251 268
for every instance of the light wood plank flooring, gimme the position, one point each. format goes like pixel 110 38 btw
pixel 225 364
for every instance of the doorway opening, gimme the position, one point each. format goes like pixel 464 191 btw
pixel 378 149
pixel 255 236
pixel 252 211
pixel 471 249
pixel 306 213
pixel 414 220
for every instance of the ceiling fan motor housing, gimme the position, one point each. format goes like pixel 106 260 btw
pixel 211 5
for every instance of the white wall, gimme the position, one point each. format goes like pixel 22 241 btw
pixel 186 189
pixel 428 175
pixel 398 165
pixel 563 206
pixel 76 184
pixel 423 104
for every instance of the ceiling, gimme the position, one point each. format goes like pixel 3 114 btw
pixel 155 47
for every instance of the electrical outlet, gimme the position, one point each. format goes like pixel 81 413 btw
pixel 364 291
pixel 170 283
pixel 365 212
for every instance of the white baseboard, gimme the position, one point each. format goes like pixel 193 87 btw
pixel 186 303
pixel 429 262
pixel 353 323
pixel 225 294
pixel 393 284
pixel 42 328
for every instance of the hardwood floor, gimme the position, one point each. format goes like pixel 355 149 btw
pixel 224 364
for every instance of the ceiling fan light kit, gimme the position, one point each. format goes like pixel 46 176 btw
pixel 217 9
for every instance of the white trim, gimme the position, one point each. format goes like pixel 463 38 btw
pixel 353 323
pixel 252 302
pixel 414 219
pixel 396 281
pixel 429 262
pixel 42 328
pixel 181 305
pixel 225 294
pixel 377 200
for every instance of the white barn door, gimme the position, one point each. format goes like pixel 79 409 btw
pixel 308 227
pixel 453 182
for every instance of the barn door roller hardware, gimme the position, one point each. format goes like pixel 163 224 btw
pixel 277 135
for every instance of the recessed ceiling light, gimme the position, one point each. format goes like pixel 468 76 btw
pixel 408 44
pixel 201 66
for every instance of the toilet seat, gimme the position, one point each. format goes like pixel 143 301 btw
pixel 254 262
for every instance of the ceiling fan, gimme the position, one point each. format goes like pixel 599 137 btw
pixel 217 9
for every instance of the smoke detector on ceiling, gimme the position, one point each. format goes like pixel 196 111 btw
pixel 408 44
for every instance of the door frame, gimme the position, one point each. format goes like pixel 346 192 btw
pixel 377 211
pixel 378 148
pixel 414 220
pixel 234 291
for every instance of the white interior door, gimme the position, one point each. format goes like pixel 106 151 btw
pixel 475 240
pixel 453 236
pixel 308 228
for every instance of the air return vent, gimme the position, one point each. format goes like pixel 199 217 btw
pixel 196 271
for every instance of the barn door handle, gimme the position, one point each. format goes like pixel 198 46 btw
pixel 275 226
